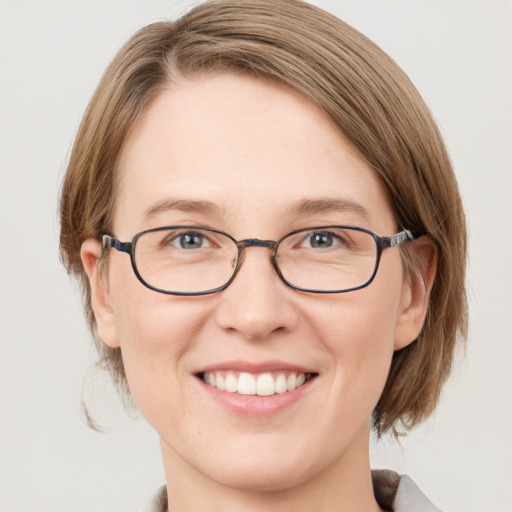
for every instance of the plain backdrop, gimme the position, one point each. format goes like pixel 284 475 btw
pixel 52 54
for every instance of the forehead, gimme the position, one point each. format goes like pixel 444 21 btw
pixel 249 149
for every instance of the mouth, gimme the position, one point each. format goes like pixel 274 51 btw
pixel 261 383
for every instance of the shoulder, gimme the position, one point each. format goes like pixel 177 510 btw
pixel 397 493
pixel 409 497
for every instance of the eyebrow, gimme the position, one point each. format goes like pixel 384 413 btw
pixel 183 205
pixel 311 206
pixel 299 208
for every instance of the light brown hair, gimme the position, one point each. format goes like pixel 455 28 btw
pixel 358 86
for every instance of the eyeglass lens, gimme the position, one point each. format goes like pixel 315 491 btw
pixel 194 260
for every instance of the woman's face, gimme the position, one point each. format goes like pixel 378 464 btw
pixel 255 160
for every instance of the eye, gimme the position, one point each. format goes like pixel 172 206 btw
pixel 190 240
pixel 321 240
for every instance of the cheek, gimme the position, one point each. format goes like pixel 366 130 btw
pixel 359 331
pixel 155 333
pixel 362 347
pixel 148 322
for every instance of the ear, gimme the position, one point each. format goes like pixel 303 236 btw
pixel 90 253
pixel 416 293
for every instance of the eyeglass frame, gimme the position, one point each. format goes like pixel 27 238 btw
pixel 382 243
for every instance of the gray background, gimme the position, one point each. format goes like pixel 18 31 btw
pixel 52 53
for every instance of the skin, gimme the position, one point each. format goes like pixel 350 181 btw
pixel 254 149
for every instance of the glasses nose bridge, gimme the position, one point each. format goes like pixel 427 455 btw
pixel 271 245
pixel 256 242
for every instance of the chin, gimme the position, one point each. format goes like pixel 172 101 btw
pixel 261 477
pixel 262 463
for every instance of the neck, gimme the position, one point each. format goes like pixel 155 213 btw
pixel 344 485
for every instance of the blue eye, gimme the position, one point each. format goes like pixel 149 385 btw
pixel 190 240
pixel 322 240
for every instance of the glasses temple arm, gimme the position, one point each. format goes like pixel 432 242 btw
pixel 109 242
pixel 398 238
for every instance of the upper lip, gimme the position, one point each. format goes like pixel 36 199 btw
pixel 255 367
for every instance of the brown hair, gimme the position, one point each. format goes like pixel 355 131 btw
pixel 358 86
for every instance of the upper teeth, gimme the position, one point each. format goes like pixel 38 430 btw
pixel 263 384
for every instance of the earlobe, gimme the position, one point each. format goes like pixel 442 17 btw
pixel 416 293
pixel 90 253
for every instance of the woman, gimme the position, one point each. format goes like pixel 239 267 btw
pixel 272 248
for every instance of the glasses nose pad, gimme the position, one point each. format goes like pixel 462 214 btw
pixel 273 255
pixel 238 259
pixel 274 259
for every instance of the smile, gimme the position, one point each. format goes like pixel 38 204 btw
pixel 261 384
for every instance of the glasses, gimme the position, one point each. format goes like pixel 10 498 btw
pixel 191 260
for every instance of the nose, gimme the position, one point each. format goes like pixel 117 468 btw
pixel 257 304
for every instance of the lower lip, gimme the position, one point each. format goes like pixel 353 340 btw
pixel 255 405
